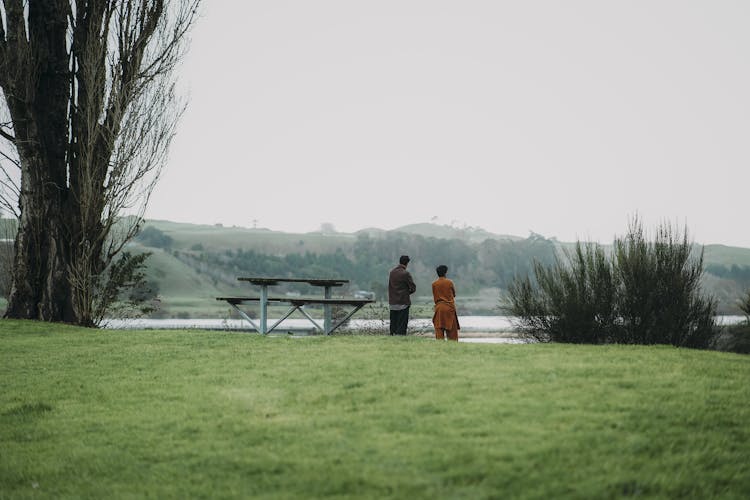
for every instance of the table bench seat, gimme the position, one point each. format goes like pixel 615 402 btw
pixel 301 301
pixel 311 281
pixel 297 304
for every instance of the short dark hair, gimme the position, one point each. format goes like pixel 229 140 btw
pixel 404 259
pixel 441 270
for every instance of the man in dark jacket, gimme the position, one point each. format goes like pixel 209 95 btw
pixel 400 287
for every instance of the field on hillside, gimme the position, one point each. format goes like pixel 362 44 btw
pixel 483 298
pixel 727 256
pixel 219 238
pixel 178 414
pixel 186 286
pixel 183 291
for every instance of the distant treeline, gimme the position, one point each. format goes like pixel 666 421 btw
pixel 738 274
pixel 366 262
pixel 367 259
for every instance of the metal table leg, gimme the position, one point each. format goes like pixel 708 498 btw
pixel 264 309
pixel 327 314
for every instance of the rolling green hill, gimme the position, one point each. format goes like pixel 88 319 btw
pixel 219 238
pixel 183 290
pixel 191 264
pixel 199 261
pixel 440 231
pixel 726 256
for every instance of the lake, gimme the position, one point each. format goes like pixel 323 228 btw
pixel 468 323
pixel 475 329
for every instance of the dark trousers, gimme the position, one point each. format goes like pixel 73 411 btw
pixel 399 320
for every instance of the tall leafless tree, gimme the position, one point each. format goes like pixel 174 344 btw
pixel 87 114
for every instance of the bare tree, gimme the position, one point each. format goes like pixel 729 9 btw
pixel 7 230
pixel 88 112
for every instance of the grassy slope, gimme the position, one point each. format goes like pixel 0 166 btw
pixel 94 414
pixel 217 238
pixel 185 291
pixel 727 256
pixel 182 289
pixel 263 240
pixel 474 235
pixel 198 300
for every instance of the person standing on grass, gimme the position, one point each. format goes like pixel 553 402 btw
pixel 445 319
pixel 400 287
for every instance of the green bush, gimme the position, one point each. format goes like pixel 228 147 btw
pixel 123 291
pixel 744 304
pixel 152 237
pixel 645 292
pixel 571 302
pixel 734 338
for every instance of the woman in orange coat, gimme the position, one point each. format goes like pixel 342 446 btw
pixel 445 318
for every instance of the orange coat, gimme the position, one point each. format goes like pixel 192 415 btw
pixel 444 294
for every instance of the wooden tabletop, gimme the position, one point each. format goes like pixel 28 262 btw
pixel 276 281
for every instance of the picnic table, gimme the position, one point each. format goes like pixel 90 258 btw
pixel 296 303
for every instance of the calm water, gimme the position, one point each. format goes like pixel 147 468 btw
pixel 469 324
pixel 497 326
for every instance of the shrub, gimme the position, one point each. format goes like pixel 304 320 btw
pixel 734 338
pixel 643 293
pixel 152 237
pixel 659 290
pixel 124 291
pixel 567 303
pixel 744 304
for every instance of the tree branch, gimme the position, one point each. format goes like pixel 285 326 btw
pixel 13 161
pixel 9 189
pixel 6 135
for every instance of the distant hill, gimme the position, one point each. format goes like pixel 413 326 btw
pixel 191 264
pixel 726 256
pixel 469 234
pixel 219 237
pixel 235 236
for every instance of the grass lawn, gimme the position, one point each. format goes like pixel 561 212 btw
pixel 192 414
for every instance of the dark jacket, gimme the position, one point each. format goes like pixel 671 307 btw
pixel 400 286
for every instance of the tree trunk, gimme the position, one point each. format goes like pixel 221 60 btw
pixel 89 89
pixel 40 288
pixel 38 102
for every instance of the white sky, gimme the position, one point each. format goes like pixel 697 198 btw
pixel 565 118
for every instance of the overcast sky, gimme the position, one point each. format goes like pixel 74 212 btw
pixel 565 118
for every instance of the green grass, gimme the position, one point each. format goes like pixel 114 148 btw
pixel 177 414
pixel 176 278
pixel 218 238
pixel 726 255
